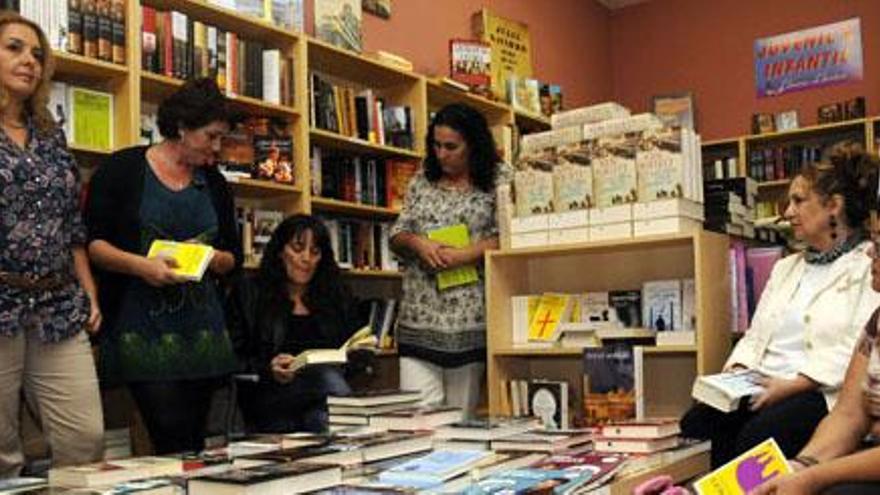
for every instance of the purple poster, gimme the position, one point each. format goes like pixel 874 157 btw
pixel 810 58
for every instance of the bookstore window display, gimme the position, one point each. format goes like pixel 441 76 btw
pixel 45 281
pixel 298 302
pixel 441 332
pixel 809 315
pixel 166 337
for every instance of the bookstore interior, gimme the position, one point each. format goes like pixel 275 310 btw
pixel 684 243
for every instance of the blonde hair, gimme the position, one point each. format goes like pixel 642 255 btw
pixel 35 107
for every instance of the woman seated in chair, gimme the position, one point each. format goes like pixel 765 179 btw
pixel 296 302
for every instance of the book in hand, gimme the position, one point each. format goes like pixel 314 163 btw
pixel 192 258
pixel 748 471
pixel 362 339
pixel 725 391
pixel 456 236
pixel 432 469
pixel 269 479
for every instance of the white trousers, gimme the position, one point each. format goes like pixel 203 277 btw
pixel 459 387
pixel 61 379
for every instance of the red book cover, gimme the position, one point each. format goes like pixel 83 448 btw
pixel 470 62
pixel 148 38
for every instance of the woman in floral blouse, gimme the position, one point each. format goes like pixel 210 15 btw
pixel 441 334
pixel 47 295
pixel 166 337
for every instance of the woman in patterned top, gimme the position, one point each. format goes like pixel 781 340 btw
pixel 165 337
pixel 441 334
pixel 810 313
pixel 47 295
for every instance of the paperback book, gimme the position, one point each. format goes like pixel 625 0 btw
pixel 362 339
pixel 456 236
pixel 191 259
pixel 338 22
pixel 470 62
pixel 725 391
pixel 748 471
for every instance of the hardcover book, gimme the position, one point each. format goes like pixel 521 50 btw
pixel 362 339
pixel 338 22
pixel 725 391
pixel 645 428
pixel 470 62
pixel 609 379
pixel 456 236
pixel 192 259
pixel 748 471
pixel 511 48
pixel 369 398
pixel 614 172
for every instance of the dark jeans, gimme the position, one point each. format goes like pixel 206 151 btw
pixel 791 422
pixel 866 488
pixel 176 412
pixel 300 405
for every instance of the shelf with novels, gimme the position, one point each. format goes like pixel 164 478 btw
pixel 256 188
pixel 622 265
pixel 330 139
pixel 352 209
pixel 440 95
pixel 229 20
pixel 72 66
pixel 389 274
pixel 818 129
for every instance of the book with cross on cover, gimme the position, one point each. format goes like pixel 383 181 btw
pixel 553 310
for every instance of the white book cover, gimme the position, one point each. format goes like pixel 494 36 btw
pixel 534 192
pixel 272 76
pixel 688 305
pixel 548 400
pixel 572 187
pixel 661 305
pixel 660 165
pixel 596 310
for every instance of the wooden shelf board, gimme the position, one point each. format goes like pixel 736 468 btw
pixel 255 188
pixel 330 139
pixel 77 148
pixel 246 26
pixel 440 95
pixel 158 87
pixel 78 66
pixel 537 351
pixel 722 142
pixel 769 184
pixel 531 120
pixel 669 349
pixel 814 129
pixel 349 208
pixel 616 245
pixel 372 273
pixel 335 61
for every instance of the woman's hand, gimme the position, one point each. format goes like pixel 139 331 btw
pixel 454 257
pixel 871 398
pixel 222 262
pixel 429 252
pixel 281 368
pixel 95 318
pixel 734 368
pixel 775 389
pixel 159 272
pixel 798 483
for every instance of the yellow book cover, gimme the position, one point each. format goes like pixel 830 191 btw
pixel 91 118
pixel 192 258
pixel 740 476
pixel 511 48
pixel 456 236
pixel 553 309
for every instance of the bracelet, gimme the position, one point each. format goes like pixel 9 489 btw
pixel 806 460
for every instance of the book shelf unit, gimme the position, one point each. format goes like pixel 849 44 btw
pixel 602 266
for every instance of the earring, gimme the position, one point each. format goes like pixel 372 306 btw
pixel 832 222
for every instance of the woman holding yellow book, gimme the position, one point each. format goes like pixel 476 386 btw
pixel 296 303
pixel 447 223
pixel 166 334
pixel 47 294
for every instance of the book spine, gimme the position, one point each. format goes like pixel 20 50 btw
pixel 118 36
pixel 90 28
pixel 105 31
pixel 74 27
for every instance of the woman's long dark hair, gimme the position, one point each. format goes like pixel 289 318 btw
pixel 326 288
pixel 474 129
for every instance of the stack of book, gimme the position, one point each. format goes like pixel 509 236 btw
pixel 357 409
pixel 638 437
pixel 478 434
pixel 730 206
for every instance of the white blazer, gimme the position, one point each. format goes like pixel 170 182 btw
pixel 833 318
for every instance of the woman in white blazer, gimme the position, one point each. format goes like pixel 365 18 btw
pixel 809 316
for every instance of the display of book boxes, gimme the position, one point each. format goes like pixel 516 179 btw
pixel 586 115
pixel 611 223
pixel 667 216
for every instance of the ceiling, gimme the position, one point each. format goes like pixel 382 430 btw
pixel 619 4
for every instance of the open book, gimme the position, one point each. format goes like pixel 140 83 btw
pixel 724 391
pixel 362 339
pixel 192 258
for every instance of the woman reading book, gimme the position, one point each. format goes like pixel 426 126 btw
pixel 447 223
pixel 166 336
pixel 48 300
pixel 809 316
pixel 296 303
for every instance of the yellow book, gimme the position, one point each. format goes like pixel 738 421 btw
pixel 740 476
pixel 91 118
pixel 362 339
pixel 192 258
pixel 456 236
pixel 553 310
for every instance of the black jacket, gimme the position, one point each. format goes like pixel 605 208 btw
pixel 258 333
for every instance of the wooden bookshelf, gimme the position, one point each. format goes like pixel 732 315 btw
pixel 333 140
pixel 440 95
pixel 611 266
pixel 361 273
pixel 345 64
pixel 774 184
pixel 72 67
pixel 256 188
pixel 531 122
pixel 352 209
pixel 805 131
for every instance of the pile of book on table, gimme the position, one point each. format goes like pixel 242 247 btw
pixel 472 457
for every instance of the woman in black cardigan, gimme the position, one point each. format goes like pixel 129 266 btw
pixel 296 302
pixel 165 337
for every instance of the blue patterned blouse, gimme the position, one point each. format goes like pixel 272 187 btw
pixel 40 222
